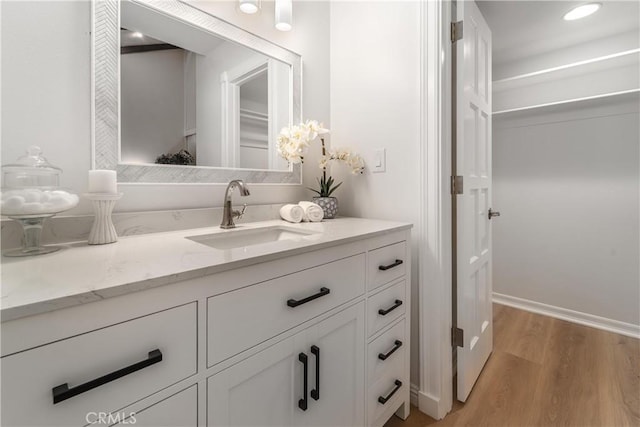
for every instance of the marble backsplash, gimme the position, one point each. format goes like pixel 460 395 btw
pixel 63 229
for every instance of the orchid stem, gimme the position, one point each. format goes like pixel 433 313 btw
pixel 324 168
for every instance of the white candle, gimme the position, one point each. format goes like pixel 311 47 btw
pixel 102 181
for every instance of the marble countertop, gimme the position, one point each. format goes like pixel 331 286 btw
pixel 80 273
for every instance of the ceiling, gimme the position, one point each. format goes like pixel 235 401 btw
pixel 527 28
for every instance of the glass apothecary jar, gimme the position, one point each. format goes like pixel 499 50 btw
pixel 31 193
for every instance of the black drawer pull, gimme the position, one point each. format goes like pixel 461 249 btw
pixel 63 392
pixel 294 303
pixel 397 345
pixel 315 393
pixel 302 403
pixel 387 267
pixel 384 400
pixel 397 304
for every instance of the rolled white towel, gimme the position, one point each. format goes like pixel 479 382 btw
pixel 291 213
pixel 312 212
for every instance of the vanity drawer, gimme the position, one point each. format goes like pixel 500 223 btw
pixel 386 264
pixel 385 350
pixel 385 307
pixel 383 387
pixel 180 409
pixel 29 378
pixel 243 318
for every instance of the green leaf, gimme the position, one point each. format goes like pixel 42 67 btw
pixel 334 189
pixel 315 191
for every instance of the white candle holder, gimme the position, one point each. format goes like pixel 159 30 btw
pixel 103 231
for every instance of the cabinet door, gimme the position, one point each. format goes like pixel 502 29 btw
pixel 340 342
pixel 262 390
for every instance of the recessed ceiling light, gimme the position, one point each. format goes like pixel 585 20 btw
pixel 581 11
pixel 137 34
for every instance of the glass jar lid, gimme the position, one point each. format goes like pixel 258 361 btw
pixel 31 170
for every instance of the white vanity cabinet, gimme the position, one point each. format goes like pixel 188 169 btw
pixel 351 311
pixel 316 337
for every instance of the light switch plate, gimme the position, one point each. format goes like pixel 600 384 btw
pixel 379 160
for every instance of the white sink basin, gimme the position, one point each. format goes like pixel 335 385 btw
pixel 250 237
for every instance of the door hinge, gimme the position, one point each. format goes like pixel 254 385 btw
pixel 457 337
pixel 457 186
pixel 456 31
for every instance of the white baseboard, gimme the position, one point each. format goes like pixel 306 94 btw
pixel 578 317
pixel 429 405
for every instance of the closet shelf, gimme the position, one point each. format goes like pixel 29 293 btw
pixel 253 115
pixel 629 94
pixel 617 60
pixel 254 139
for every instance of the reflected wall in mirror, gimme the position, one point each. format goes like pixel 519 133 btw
pixel 201 100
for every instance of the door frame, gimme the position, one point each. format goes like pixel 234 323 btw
pixel 435 396
pixel 230 82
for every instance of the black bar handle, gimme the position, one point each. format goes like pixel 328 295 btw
pixel 397 345
pixel 294 303
pixel 397 304
pixel 387 267
pixel 315 393
pixel 63 392
pixel 302 403
pixel 384 400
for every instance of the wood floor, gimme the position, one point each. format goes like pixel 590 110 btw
pixel 548 372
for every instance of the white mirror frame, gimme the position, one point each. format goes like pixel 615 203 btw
pixel 106 97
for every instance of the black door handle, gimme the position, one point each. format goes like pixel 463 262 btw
pixel 384 400
pixel 63 392
pixel 315 393
pixel 387 267
pixel 397 345
pixel 397 304
pixel 294 303
pixel 302 403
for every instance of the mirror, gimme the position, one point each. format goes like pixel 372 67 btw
pixel 200 99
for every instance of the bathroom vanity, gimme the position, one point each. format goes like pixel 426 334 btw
pixel 268 324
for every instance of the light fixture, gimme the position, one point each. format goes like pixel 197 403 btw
pixel 284 14
pixel 249 6
pixel 137 35
pixel 581 11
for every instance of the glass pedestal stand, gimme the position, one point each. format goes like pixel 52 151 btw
pixel 32 231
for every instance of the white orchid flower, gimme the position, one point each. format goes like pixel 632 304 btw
pixel 315 129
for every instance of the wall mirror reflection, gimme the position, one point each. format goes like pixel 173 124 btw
pixel 189 97
pixel 181 96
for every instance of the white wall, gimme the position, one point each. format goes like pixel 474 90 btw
pixel 46 72
pixel 567 184
pixel 375 103
pixel 152 106
pixel 46 84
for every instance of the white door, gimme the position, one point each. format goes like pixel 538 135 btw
pixel 262 390
pixel 473 226
pixel 337 343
